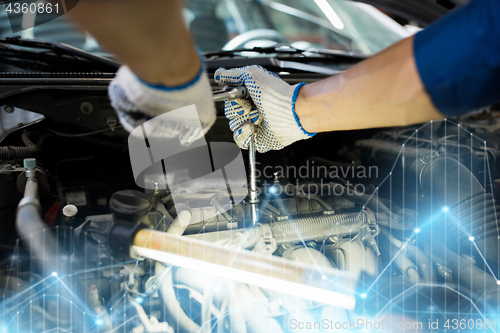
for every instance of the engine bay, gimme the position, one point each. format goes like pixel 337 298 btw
pixel 404 220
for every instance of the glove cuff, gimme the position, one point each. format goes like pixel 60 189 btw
pixel 276 102
pixel 173 88
pixel 294 99
pixel 153 100
pixel 187 85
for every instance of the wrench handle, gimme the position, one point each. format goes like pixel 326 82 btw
pixel 228 93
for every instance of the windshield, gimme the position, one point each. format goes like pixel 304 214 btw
pixel 232 24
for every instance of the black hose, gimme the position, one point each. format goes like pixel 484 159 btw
pixel 28 143
pixel 479 212
pixel 472 211
pixel 13 152
pixel 448 181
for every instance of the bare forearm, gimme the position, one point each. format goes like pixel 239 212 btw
pixel 384 90
pixel 148 35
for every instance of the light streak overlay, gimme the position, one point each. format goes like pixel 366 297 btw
pixel 330 13
pixel 269 272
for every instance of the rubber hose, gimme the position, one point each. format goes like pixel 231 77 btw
pixel 172 305
pixel 13 152
pixel 236 316
pixel 256 313
pixel 472 211
pixel 33 231
pixel 221 317
pixel 448 180
pixel 28 143
pixel 206 314
pixel 197 282
pixel 180 223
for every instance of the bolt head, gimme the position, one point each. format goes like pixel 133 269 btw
pixel 86 108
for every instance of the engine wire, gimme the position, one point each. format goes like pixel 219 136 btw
pixel 79 135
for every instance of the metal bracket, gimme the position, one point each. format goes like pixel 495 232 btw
pixel 12 119
pixel 433 155
pixel 367 235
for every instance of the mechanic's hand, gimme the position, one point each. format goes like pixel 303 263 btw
pixel 271 118
pixel 137 101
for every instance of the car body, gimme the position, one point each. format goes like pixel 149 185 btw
pixel 382 229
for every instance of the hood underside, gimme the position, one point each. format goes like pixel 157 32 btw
pixel 423 12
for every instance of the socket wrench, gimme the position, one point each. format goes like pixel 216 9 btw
pixel 228 94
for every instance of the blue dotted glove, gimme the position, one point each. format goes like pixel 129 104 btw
pixel 243 117
pixel 136 102
pixel 270 119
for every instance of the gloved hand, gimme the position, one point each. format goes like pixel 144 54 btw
pixel 271 118
pixel 136 101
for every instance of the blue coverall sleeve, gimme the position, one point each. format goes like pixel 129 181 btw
pixel 458 58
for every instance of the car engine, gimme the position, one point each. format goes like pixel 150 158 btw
pixel 399 223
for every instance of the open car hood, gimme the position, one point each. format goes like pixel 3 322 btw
pixel 423 12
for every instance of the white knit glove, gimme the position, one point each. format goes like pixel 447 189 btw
pixel 136 102
pixel 271 118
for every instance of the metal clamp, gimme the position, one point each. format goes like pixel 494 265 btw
pixel 266 242
pixel 367 236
